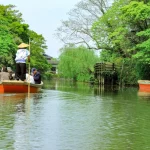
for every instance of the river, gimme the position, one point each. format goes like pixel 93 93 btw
pixel 68 116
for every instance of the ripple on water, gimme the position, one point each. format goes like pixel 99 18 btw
pixel 60 120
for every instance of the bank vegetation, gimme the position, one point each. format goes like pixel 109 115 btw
pixel 120 30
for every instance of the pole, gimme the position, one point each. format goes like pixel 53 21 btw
pixel 29 74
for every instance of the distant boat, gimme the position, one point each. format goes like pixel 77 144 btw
pixel 13 86
pixel 144 85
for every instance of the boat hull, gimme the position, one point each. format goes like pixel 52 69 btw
pixel 144 85
pixel 19 87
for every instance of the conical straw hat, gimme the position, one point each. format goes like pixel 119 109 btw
pixel 23 45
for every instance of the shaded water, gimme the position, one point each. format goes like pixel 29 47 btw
pixel 67 116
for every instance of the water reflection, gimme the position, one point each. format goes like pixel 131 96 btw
pixel 74 117
pixel 9 103
pixel 144 96
pixel 14 113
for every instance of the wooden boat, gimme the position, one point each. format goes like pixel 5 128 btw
pixel 144 85
pixel 13 86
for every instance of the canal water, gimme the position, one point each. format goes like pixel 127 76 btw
pixel 68 116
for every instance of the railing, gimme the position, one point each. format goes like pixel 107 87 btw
pixel 102 69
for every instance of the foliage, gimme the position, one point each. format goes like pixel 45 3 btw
pixel 123 31
pixel 76 62
pixel 47 75
pixel 7 45
pixel 143 71
pixel 13 31
pixel 38 47
pixel 143 48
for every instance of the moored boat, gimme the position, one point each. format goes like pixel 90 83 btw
pixel 13 86
pixel 144 85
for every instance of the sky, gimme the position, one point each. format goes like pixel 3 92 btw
pixel 44 17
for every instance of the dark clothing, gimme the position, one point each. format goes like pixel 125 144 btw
pixel 20 71
pixel 37 78
pixel 11 75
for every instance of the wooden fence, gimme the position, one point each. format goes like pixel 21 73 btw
pixel 102 70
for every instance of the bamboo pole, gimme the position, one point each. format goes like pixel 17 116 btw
pixel 29 74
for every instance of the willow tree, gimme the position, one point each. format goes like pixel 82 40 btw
pixel 77 62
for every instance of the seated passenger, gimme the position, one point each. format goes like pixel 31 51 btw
pixel 36 76
pixel 4 74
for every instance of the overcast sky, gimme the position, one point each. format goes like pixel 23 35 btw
pixel 44 16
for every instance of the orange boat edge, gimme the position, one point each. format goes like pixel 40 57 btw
pixel 144 85
pixel 13 86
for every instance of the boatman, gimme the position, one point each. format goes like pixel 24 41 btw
pixel 21 56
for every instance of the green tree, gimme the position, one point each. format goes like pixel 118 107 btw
pixel 13 31
pixel 9 34
pixel 7 45
pixel 77 62
pixel 38 48
pixel 137 15
pixel 123 35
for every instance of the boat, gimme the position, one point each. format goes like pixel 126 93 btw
pixel 144 85
pixel 13 86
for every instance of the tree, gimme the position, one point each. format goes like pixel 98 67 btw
pixel 7 45
pixel 137 16
pixel 123 33
pixel 9 36
pixel 38 47
pixel 118 29
pixel 13 31
pixel 77 29
pixel 77 62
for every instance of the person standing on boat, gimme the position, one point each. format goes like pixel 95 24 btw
pixel 21 56
pixel 36 76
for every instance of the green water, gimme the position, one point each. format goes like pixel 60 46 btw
pixel 68 116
